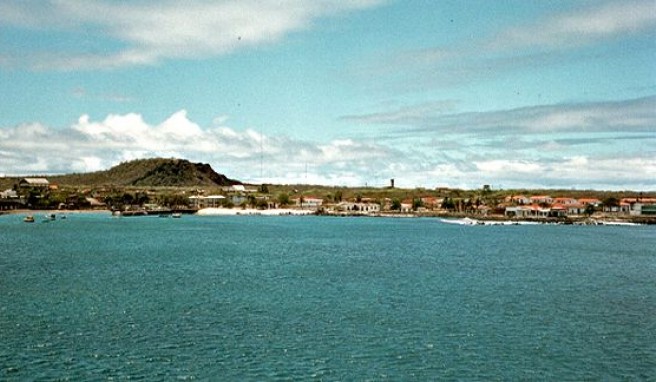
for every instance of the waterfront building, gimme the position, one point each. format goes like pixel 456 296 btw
pixel 34 183
pixel 308 202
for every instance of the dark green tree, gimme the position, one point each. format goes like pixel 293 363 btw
pixel 338 196
pixel 283 199
pixel 251 201
pixel 611 202
pixel 127 199
pixel 448 204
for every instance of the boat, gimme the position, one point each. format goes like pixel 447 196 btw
pixel 29 219
pixel 176 215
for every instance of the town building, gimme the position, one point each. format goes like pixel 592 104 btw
pixel 308 202
pixel 210 201
pixel 355 207
pixel 41 183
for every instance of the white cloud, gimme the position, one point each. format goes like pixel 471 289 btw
pixel 538 43
pixel 92 145
pixel 566 145
pixel 634 115
pixel 252 156
pixel 582 26
pixel 150 31
pixel 505 166
pixel 407 114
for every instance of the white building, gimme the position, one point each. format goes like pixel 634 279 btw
pixel 210 201
pixel 8 194
pixel 362 208
pixel 308 202
pixel 34 183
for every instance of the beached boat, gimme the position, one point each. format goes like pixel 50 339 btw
pixel 29 219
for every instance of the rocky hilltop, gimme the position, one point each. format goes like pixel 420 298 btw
pixel 156 172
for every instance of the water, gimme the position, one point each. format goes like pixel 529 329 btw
pixel 313 298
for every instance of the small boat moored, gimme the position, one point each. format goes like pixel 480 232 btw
pixel 29 219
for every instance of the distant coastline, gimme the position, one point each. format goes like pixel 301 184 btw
pixel 162 186
pixel 459 218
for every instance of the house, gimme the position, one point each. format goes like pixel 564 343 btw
pixel 210 201
pixel 406 206
pixel 590 201
pixel 622 208
pixel 576 209
pixel 517 211
pixel 34 183
pixel 431 203
pixel 518 199
pixel 308 202
pixel 558 211
pixel 565 201
pixel 541 199
pixel 355 207
pixel 9 200
pixel 625 207
pixel 532 211
pixel 8 194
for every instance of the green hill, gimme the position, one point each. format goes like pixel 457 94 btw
pixel 157 172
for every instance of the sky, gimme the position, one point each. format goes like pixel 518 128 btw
pixel 512 94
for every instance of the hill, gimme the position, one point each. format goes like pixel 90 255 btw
pixel 156 172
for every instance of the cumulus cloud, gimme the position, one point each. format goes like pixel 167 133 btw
pixel 252 156
pixel 248 155
pixel 147 32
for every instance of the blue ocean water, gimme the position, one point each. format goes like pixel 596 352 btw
pixel 318 298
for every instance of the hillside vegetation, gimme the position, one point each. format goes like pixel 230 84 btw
pixel 157 172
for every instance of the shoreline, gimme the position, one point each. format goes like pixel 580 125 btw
pixel 448 217
pixel 56 212
pixel 253 212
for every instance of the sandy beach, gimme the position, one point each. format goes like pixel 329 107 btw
pixel 250 211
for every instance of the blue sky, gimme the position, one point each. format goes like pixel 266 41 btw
pixel 557 94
